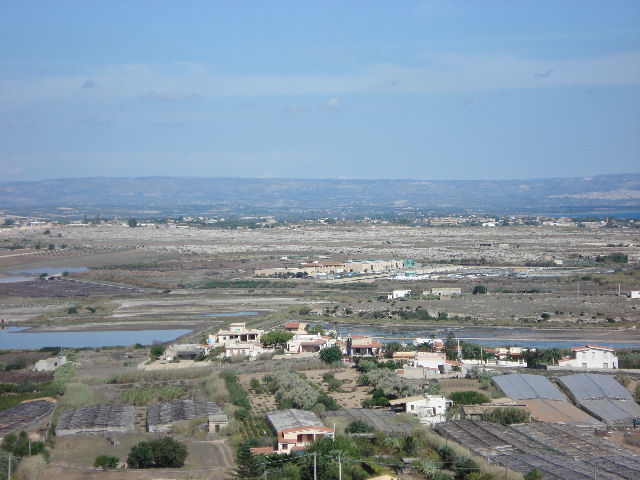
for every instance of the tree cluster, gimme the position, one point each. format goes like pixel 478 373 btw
pixel 161 453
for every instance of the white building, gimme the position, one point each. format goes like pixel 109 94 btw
pixel 443 291
pixel 591 356
pixel 634 294
pixel 429 408
pixel 308 343
pixel 431 360
pixel 236 333
pixel 49 364
pixel 398 294
pixel 251 350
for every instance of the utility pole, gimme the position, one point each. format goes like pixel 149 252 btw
pixel 315 466
pixel 339 467
pixel 9 473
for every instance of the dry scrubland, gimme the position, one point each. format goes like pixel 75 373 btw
pixel 154 260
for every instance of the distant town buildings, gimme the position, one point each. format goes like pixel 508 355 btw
pixel 322 268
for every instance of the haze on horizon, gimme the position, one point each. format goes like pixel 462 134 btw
pixel 366 89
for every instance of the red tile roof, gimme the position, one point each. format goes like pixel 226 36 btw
pixel 593 346
pixel 262 450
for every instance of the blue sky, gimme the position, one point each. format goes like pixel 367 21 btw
pixel 344 89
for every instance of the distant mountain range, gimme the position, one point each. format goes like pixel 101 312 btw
pixel 149 196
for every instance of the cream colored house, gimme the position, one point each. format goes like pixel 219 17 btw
pixel 591 356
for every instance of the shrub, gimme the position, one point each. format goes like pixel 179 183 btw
pixel 448 456
pixel 533 474
pixel 241 414
pixel 469 397
pixel 237 394
pixel 138 396
pixel 167 393
pixel 479 289
pixel 507 416
pixel 357 427
pixel 464 466
pixel 16 363
pixel 106 461
pixel 72 310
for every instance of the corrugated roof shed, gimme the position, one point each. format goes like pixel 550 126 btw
pixel 292 418
pixel 382 420
pixel 164 414
pixel 555 411
pixel 521 386
pixel 590 386
pixel 23 414
pixel 612 411
pixel 95 419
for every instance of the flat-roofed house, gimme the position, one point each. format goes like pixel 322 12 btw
pixel 363 345
pixel 236 333
pixel 591 356
pixel 429 408
pixel 308 343
pixel 297 428
pixel 443 291
pixel 297 328
pixel 431 360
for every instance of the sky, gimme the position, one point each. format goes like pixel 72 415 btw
pixel 369 89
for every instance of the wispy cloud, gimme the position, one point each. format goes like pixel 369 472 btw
pixel 546 74
pixel 440 73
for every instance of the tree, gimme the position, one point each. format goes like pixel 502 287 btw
pixel 331 354
pixel 161 453
pixel 451 346
pixel 247 467
pixel 276 338
pixel 315 330
pixel 140 456
pixel 168 453
pixel 132 222
pixel 106 462
pixel 157 350
pixel 479 289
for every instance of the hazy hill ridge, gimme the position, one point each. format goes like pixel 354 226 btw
pixel 204 194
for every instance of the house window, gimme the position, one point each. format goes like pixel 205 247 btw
pixel 606 365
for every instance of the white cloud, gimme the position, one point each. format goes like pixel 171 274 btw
pixel 334 103
pixel 439 73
